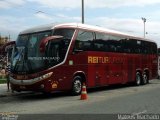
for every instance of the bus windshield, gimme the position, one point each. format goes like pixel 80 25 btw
pixel 27 58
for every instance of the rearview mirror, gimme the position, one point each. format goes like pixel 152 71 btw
pixel 45 41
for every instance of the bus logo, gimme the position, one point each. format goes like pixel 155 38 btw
pixel 95 59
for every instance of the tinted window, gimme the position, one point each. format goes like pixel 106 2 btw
pixel 84 41
pixel 66 33
pixel 57 49
pixel 154 48
pixel 145 47
pixel 133 46
pixel 113 43
pixel 139 47
pixel 28 54
pixel 109 43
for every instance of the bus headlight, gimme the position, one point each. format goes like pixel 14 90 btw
pixel 42 86
pixel 45 76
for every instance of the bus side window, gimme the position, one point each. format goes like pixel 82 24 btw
pixel 99 45
pixel 154 48
pixel 111 43
pixel 84 41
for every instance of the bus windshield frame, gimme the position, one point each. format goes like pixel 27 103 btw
pixel 27 58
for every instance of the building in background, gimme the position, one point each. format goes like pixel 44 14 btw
pixel 3 41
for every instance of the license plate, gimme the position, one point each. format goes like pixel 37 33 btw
pixel 22 87
pixel 20 77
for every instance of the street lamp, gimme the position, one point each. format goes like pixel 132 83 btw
pixel 144 21
pixel 82 11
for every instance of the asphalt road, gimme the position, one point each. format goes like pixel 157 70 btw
pixel 127 99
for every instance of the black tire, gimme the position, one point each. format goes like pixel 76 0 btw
pixel 77 85
pixel 144 79
pixel 138 79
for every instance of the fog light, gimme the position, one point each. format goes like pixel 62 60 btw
pixel 42 86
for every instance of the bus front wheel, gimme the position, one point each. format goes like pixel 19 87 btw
pixel 77 85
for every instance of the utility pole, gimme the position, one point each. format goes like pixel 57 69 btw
pixel 144 21
pixel 82 11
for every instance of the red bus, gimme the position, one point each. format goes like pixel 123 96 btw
pixel 62 57
pixel 158 63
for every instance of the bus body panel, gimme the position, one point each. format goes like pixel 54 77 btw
pixel 99 68
pixel 158 66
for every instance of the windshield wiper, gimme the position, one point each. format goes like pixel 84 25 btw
pixel 22 60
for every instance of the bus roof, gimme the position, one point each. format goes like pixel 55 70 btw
pixel 38 29
pixel 88 27
pixel 100 29
pixel 71 25
pixel 80 26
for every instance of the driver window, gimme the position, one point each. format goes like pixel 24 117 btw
pixel 54 52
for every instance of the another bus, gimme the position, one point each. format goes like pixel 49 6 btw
pixel 63 57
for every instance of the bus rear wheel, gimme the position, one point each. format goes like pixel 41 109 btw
pixel 77 85
pixel 144 79
pixel 138 79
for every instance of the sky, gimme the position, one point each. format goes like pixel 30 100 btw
pixel 121 15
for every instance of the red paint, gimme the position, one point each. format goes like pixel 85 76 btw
pixel 109 68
